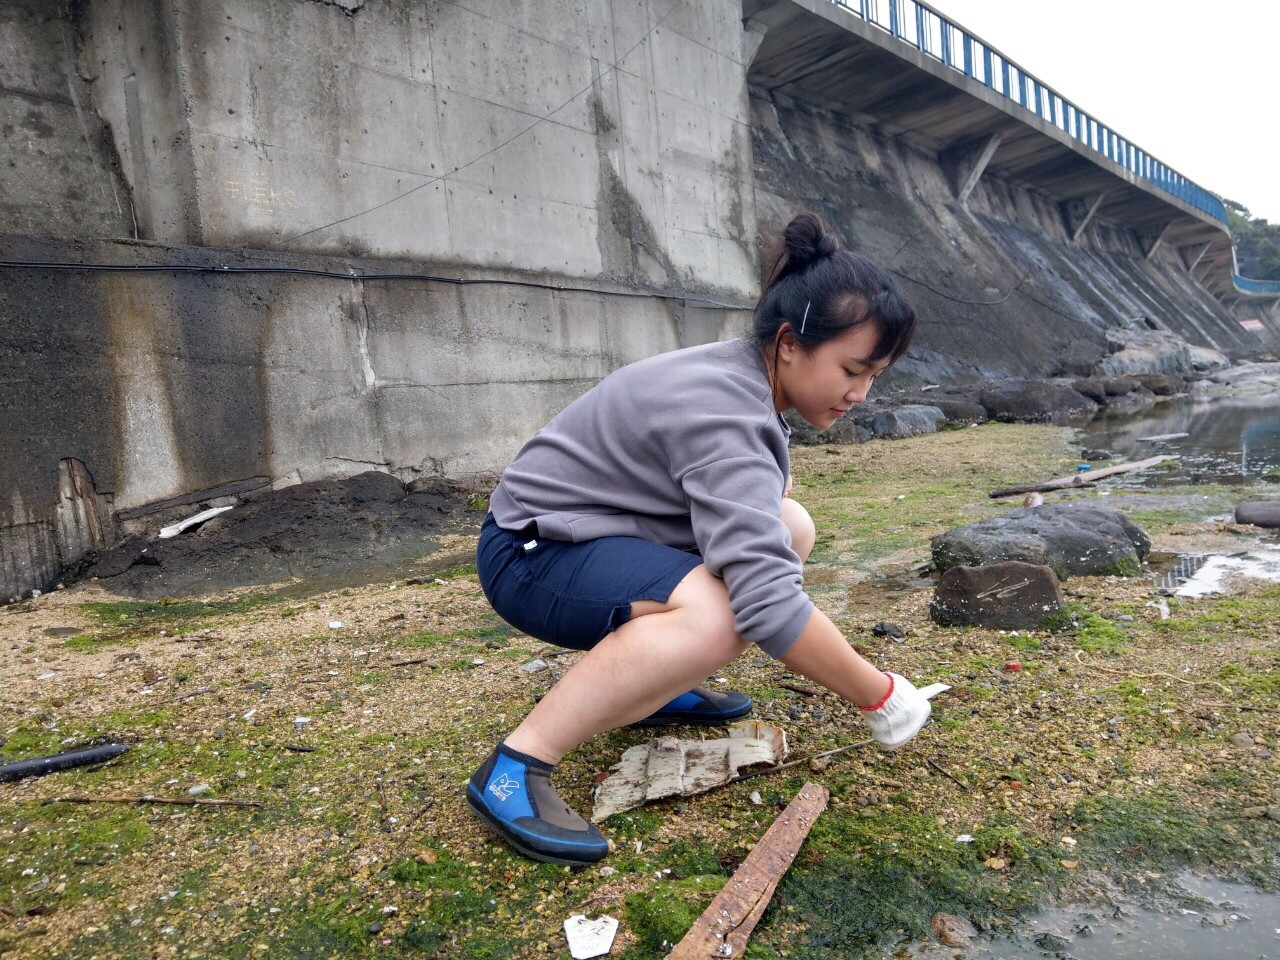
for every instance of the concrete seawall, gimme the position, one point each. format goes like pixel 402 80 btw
pixel 613 146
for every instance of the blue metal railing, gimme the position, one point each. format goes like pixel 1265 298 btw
pixel 935 36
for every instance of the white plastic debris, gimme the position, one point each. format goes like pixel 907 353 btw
pixel 589 938
pixel 965 838
pixel 335 624
pixel 933 689
pixel 756 799
pixel 195 521
pixel 534 666
pixel 301 722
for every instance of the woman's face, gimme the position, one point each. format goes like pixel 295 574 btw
pixel 824 383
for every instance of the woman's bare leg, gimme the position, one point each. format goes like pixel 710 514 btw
pixel 653 657
pixel 660 653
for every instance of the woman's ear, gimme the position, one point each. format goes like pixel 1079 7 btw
pixel 785 342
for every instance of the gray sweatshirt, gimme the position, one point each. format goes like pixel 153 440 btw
pixel 685 449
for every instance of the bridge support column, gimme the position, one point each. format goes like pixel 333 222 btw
pixel 966 163
pixel 1079 212
pixel 1191 254
pixel 1150 239
pixel 753 31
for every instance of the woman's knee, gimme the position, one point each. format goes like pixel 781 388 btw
pixel 803 532
pixel 702 599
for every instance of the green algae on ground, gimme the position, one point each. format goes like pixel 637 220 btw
pixel 364 848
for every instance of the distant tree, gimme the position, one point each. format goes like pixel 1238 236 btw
pixel 1257 243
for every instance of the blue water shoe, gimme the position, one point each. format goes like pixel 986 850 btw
pixel 512 792
pixel 700 707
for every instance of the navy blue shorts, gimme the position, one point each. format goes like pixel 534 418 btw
pixel 573 594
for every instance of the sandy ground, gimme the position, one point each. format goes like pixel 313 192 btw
pixel 362 844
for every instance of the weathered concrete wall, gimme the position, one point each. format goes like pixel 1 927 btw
pixel 57 175
pixel 266 120
pixel 602 144
pixel 607 144
pixel 896 204
pixel 165 383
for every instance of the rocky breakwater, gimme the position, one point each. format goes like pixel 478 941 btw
pixel 1147 364
pixel 1004 573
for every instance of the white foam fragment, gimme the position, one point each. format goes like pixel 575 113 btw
pixel 589 938
pixel 199 518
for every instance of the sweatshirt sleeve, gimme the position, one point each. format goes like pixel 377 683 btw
pixel 734 505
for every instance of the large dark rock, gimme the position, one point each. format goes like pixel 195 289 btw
pixel 1002 596
pixel 1119 386
pixel 897 422
pixel 957 409
pixel 1072 538
pixel 1036 401
pixel 1091 387
pixel 1260 513
pixel 882 419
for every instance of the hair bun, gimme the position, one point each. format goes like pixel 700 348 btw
pixel 807 239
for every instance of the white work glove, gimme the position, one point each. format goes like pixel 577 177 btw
pixel 899 716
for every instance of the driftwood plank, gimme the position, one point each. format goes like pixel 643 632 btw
pixel 1079 479
pixel 233 489
pixel 725 926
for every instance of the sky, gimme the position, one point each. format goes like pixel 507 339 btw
pixel 1196 85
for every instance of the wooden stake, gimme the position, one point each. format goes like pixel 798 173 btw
pixel 725 926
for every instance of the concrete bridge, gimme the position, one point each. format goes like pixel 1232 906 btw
pixel 983 113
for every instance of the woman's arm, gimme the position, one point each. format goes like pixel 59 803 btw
pixel 822 654
pixel 893 708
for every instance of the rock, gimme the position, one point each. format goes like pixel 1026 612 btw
pixel 883 419
pixel 1246 379
pixel 1094 455
pixel 1254 813
pixel 199 788
pixel 534 666
pixel 1036 401
pixel 886 629
pixel 375 927
pixel 1119 386
pixel 912 420
pixel 953 931
pixel 1207 360
pixel 1001 596
pixel 1163 384
pixel 955 409
pixel 1130 403
pixel 1260 513
pixel 1090 387
pixel 844 430
pixel 1242 740
pixel 1145 347
pixel 1073 538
